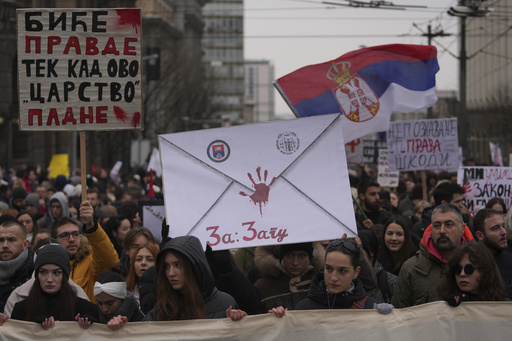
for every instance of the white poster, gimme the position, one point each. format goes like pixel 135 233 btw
pixel 354 152
pixel 80 69
pixel 484 183
pixel 423 145
pixel 262 184
pixel 385 177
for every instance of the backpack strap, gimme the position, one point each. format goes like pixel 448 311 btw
pixel 359 304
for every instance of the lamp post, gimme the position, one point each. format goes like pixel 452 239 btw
pixel 465 8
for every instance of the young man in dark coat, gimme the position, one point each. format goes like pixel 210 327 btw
pixel 16 258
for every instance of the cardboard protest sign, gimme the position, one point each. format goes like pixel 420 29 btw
pixel 484 183
pixel 80 69
pixel 371 150
pixel 271 183
pixel 152 214
pixel 423 145
pixel 385 177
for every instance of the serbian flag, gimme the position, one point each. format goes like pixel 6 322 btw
pixel 365 85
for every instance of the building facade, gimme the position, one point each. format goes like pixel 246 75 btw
pixel 259 75
pixel 223 60
pixel 488 89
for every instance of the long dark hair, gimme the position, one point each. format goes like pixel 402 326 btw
pixel 65 298
pixel 393 261
pixel 186 304
pixel 491 287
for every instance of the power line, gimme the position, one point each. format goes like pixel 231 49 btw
pixel 334 36
pixel 331 18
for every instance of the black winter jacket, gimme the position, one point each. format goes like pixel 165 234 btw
pixel 319 298
pixel 215 302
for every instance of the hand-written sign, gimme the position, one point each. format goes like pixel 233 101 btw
pixel 484 183
pixel 386 178
pixel 423 144
pixel 371 150
pixel 79 69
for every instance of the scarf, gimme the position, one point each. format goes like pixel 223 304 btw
pixel 9 267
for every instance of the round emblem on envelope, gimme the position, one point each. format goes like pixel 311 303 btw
pixel 288 143
pixel 218 151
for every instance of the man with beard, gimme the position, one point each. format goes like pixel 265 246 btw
pixel 90 255
pixel 16 258
pixel 420 274
pixel 490 229
pixel 368 192
pixel 18 198
pixel 444 193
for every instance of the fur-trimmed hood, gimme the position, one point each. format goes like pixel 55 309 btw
pixel 266 259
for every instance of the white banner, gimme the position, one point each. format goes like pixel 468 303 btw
pixel 80 69
pixel 262 184
pixel 484 183
pixel 431 321
pixel 423 145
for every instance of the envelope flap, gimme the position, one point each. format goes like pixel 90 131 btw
pixel 282 142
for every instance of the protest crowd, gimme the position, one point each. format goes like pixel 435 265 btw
pixel 64 259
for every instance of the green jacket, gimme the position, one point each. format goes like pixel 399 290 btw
pixel 418 279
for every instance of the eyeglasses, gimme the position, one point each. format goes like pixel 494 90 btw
pixel 468 269
pixel 346 244
pixel 65 235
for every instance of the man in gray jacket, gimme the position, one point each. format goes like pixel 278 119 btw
pixel 420 274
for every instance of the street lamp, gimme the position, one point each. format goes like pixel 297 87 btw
pixel 465 9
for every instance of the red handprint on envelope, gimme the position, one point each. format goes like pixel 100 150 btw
pixel 261 189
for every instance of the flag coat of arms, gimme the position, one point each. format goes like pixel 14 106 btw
pixel 365 85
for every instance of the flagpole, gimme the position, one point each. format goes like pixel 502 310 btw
pixel 424 184
pixel 83 166
pixel 292 108
pixel 360 209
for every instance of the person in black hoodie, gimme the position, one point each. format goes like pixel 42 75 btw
pixel 185 286
pixel 51 297
pixel 337 286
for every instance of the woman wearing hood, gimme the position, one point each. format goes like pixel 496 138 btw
pixel 338 285
pixel 185 286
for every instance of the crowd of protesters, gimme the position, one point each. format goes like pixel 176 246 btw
pixel 64 259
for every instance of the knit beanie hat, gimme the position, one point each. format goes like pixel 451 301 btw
pixel 53 254
pixel 19 193
pixel 32 199
pixel 60 182
pixel 308 247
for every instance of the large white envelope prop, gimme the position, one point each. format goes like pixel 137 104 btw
pixel 272 183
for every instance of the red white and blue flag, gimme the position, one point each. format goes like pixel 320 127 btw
pixel 365 85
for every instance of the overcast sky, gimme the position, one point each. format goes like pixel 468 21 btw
pixel 293 33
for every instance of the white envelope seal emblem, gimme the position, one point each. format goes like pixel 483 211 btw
pixel 288 143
